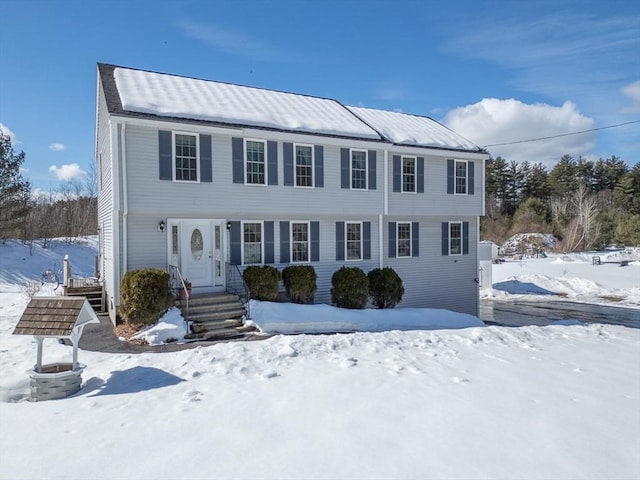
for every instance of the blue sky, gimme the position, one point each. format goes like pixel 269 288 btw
pixel 495 72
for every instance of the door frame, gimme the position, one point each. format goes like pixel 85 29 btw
pixel 174 249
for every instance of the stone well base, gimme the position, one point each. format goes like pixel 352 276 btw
pixel 56 380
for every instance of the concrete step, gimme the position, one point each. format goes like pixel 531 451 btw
pixel 213 325
pixel 210 316
pixel 215 307
pixel 209 299
pixel 223 334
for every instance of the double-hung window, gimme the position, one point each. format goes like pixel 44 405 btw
pixel 354 240
pixel 252 245
pixel 304 165
pixel 461 177
pixel 300 242
pixel 455 238
pixel 185 149
pixel 358 169
pixel 408 174
pixel 255 162
pixel 404 239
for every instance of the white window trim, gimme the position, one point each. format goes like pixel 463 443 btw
pixel 398 240
pixel 455 177
pixel 346 242
pixel 246 161
pixel 366 169
pixel 242 223
pixel 415 174
pixel 295 165
pixel 173 155
pixel 461 239
pixel 308 224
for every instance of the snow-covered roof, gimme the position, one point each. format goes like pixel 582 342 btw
pixel 135 92
pixel 406 129
pixel 182 97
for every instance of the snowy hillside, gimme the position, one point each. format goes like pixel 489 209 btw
pixel 474 403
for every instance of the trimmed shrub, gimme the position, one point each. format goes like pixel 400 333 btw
pixel 350 288
pixel 262 282
pixel 300 282
pixel 385 287
pixel 145 295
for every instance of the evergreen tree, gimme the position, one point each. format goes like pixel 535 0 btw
pixel 609 172
pixel 562 179
pixel 14 190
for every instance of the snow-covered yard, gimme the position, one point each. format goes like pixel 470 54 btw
pixel 479 402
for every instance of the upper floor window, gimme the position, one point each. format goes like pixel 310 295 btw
pixel 300 242
pixel 455 238
pixel 404 239
pixel 252 242
pixel 255 161
pixel 354 240
pixel 359 169
pixel 185 157
pixel 408 174
pixel 461 177
pixel 304 165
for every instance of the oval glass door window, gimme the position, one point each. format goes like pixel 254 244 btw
pixel 196 245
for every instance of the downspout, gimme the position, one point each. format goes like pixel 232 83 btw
pixel 125 203
pixel 115 215
pixel 385 208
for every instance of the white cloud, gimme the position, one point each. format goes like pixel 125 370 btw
pixel 228 41
pixel 7 131
pixel 67 172
pixel 57 147
pixel 493 121
pixel 632 91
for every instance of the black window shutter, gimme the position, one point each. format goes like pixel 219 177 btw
pixel 415 239
pixel 392 239
pixel 272 163
pixel 287 159
pixel 319 165
pixel 372 169
pixel 236 243
pixel 315 241
pixel 344 168
pixel 445 238
pixel 284 243
pixel 471 181
pixel 420 174
pixel 450 176
pixel 166 157
pixel 205 159
pixel 465 238
pixel 237 155
pixel 268 242
pixel 397 173
pixel 366 240
pixel 339 241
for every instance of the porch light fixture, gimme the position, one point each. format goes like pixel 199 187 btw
pixel 228 225
pixel 161 226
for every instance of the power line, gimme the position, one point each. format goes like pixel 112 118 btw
pixel 561 135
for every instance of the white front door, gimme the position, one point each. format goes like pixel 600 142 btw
pixel 196 254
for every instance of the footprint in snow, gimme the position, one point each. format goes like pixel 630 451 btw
pixel 192 396
pixel 459 380
pixel 270 374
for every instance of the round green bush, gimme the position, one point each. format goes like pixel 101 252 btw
pixel 350 288
pixel 145 295
pixel 385 287
pixel 300 282
pixel 262 282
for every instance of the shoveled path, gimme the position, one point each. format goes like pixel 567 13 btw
pixel 101 338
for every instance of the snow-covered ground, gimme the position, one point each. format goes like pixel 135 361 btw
pixel 571 277
pixel 480 402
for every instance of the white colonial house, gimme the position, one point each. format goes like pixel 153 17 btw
pixel 212 177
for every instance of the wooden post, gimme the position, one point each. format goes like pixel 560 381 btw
pixel 66 271
pixel 39 341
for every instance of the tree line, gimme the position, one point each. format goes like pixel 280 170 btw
pixel 586 204
pixel 68 212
